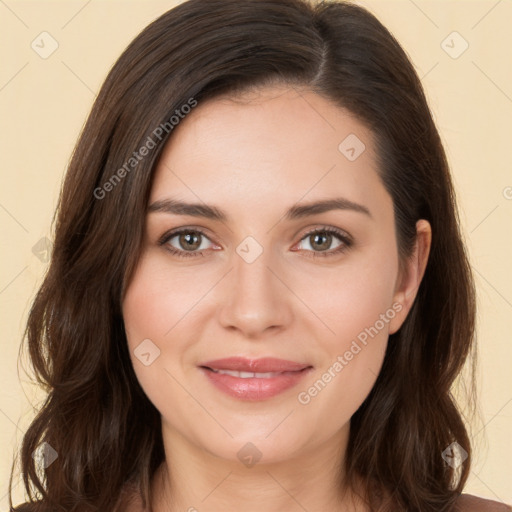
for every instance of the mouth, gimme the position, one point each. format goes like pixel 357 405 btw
pixel 254 379
pixel 250 375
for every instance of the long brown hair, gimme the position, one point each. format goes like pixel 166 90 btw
pixel 96 417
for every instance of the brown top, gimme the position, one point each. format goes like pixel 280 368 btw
pixel 132 502
pixel 470 503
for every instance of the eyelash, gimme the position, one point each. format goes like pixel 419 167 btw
pixel 346 242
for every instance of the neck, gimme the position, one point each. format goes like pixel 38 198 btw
pixel 194 480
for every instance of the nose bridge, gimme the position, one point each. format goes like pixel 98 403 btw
pixel 256 299
pixel 252 275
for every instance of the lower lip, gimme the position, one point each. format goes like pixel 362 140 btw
pixel 254 388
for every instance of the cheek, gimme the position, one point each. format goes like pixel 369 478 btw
pixel 351 297
pixel 169 306
pixel 160 298
pixel 356 303
pixel 157 304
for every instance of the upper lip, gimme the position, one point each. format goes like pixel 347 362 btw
pixel 263 365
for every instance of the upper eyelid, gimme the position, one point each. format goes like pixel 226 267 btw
pixel 178 231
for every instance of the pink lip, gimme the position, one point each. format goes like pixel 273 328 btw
pixel 254 388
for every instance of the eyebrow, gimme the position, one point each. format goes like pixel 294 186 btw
pixel 295 212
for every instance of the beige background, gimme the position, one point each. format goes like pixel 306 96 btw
pixel 44 103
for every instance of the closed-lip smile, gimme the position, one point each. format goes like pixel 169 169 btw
pixel 254 379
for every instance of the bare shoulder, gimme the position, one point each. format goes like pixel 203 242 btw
pixel 470 503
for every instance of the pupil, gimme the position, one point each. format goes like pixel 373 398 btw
pixel 325 237
pixel 189 241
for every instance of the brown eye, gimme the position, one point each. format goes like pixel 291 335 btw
pixel 190 241
pixel 187 242
pixel 325 242
pixel 320 241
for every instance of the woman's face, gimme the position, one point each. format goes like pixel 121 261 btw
pixel 249 278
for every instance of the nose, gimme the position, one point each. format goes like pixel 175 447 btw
pixel 255 299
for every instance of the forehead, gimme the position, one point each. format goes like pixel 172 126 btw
pixel 266 148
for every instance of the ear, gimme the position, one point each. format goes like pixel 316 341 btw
pixel 409 279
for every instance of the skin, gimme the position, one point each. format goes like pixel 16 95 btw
pixel 254 158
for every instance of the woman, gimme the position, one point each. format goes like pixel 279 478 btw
pixel 258 296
